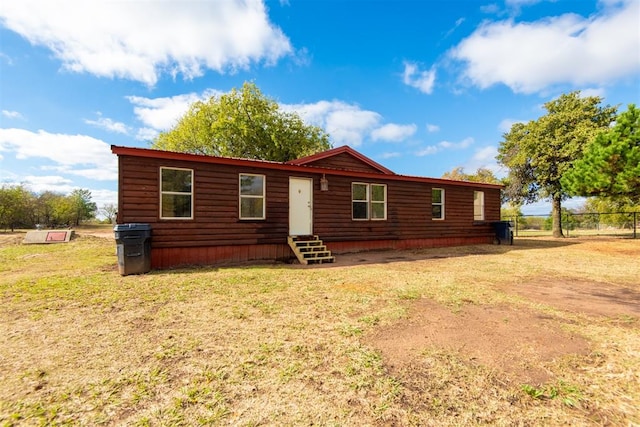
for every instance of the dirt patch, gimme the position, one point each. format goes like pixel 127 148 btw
pixel 516 342
pixel 10 239
pixel 582 296
pixel 101 234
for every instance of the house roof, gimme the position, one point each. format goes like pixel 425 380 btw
pixel 307 166
pixel 345 149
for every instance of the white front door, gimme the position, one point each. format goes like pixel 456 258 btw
pixel 300 206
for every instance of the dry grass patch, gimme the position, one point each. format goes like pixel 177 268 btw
pixel 291 345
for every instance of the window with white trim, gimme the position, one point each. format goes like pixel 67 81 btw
pixel 437 203
pixel 176 193
pixel 368 201
pixel 252 196
pixel 478 205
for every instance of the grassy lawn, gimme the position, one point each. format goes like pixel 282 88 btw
pixel 296 345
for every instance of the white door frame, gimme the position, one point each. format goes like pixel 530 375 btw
pixel 300 206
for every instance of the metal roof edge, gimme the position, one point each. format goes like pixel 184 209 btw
pixel 266 164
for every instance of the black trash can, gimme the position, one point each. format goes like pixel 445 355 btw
pixel 133 247
pixel 504 232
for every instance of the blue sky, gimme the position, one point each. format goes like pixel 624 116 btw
pixel 419 86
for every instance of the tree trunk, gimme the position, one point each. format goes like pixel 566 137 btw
pixel 556 215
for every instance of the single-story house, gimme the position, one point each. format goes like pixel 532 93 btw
pixel 206 210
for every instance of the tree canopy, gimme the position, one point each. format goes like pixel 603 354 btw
pixel 15 204
pixel 481 175
pixel 539 153
pixel 243 123
pixel 19 207
pixel 610 166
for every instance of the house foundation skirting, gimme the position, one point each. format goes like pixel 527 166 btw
pixel 439 242
pixel 163 258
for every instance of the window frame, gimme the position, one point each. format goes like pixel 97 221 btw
pixel 263 197
pixel 365 201
pixel 378 202
pixel 369 202
pixel 478 206
pixel 440 203
pixel 176 193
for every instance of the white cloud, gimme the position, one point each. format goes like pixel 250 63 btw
pixel 54 183
pixel 432 128
pixel 393 132
pixel 517 4
pixel 505 125
pixel 421 80
pixel 161 114
pixel 465 143
pixel 600 92
pixel 146 134
pixel 76 154
pixel 141 40
pixel 350 125
pixel 445 145
pixel 108 124
pixel 529 57
pixel 346 123
pixel 427 151
pixel 6 58
pixel 490 9
pixel 102 197
pixel 98 174
pixel 12 114
pixel 390 155
pixel 484 157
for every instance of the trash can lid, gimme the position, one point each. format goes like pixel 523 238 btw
pixel 132 227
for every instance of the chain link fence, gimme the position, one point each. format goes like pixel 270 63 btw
pixel 620 224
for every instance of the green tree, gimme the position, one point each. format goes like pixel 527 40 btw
pixel 540 152
pixel 82 208
pixel 63 211
pixel 481 175
pixel 243 123
pixel 610 166
pixel 45 206
pixel 617 211
pixel 15 203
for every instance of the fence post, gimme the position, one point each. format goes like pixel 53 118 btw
pixel 635 223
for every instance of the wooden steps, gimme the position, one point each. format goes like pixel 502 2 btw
pixel 310 250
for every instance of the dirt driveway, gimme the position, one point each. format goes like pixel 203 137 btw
pixel 515 341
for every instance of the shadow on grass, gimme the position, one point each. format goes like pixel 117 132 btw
pixel 390 256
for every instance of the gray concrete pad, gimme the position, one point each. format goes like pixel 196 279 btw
pixel 47 236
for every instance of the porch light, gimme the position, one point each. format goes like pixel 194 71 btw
pixel 324 183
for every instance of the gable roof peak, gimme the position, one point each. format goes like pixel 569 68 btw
pixel 345 149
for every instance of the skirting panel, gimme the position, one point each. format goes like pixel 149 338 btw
pixel 440 242
pixel 215 255
pixel 162 258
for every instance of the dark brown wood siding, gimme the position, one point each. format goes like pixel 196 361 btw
pixel 216 220
pixel 408 212
pixel 216 198
pixel 343 161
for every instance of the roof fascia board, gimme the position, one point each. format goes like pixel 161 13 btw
pixel 288 167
